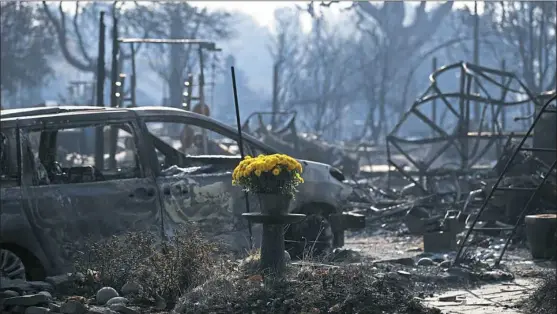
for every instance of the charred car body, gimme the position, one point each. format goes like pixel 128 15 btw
pixel 56 194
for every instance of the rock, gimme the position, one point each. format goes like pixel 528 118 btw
pixel 104 294
pixel 73 307
pixel 47 294
pixel 160 302
pixel 123 309
pixel 130 287
pixel 14 284
pixel 100 310
pixel 59 280
pixel 27 300
pixel 117 300
pixel 334 309
pixel 80 277
pixel 17 309
pixel 8 294
pixel 36 310
pixel 41 285
pixel 54 307
pixel 288 302
pixel 424 261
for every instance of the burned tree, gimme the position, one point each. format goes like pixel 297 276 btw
pixel 286 51
pixel 76 29
pixel 26 44
pixel 389 48
pixel 179 20
pixel 527 30
pixel 313 73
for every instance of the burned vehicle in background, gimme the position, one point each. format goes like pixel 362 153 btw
pixel 281 133
pixel 128 175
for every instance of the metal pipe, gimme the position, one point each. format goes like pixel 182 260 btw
pixel 99 142
pixel 240 144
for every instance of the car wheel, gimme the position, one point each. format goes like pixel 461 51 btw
pixel 311 237
pixel 11 265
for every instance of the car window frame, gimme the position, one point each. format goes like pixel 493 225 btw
pixel 83 121
pixel 214 126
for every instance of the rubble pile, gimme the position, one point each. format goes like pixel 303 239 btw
pixel 308 289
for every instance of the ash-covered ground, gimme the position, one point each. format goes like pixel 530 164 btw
pixel 382 269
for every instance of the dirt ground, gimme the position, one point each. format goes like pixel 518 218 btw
pixel 485 298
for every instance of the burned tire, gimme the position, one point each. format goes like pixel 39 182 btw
pixel 311 237
pixel 11 266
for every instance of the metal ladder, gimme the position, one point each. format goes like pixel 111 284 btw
pixel 533 191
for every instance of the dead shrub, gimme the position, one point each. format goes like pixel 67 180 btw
pixel 161 268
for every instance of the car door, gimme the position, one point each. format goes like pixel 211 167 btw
pixel 13 219
pixel 195 179
pixel 77 199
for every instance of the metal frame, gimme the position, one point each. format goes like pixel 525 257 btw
pixel 520 147
pixel 470 75
pixel 202 45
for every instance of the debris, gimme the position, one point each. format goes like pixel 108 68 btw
pixel 439 241
pixel 424 261
pixel 450 297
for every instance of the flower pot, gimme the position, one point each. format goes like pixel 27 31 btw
pixel 274 204
pixel 541 232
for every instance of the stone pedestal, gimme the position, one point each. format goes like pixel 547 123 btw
pixel 273 216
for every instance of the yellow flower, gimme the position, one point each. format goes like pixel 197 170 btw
pixel 258 172
pixel 276 171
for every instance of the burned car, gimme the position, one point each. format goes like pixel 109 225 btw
pixel 137 169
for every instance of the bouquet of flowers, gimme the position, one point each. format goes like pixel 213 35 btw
pixel 278 174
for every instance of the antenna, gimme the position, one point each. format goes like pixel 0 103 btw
pixel 241 144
